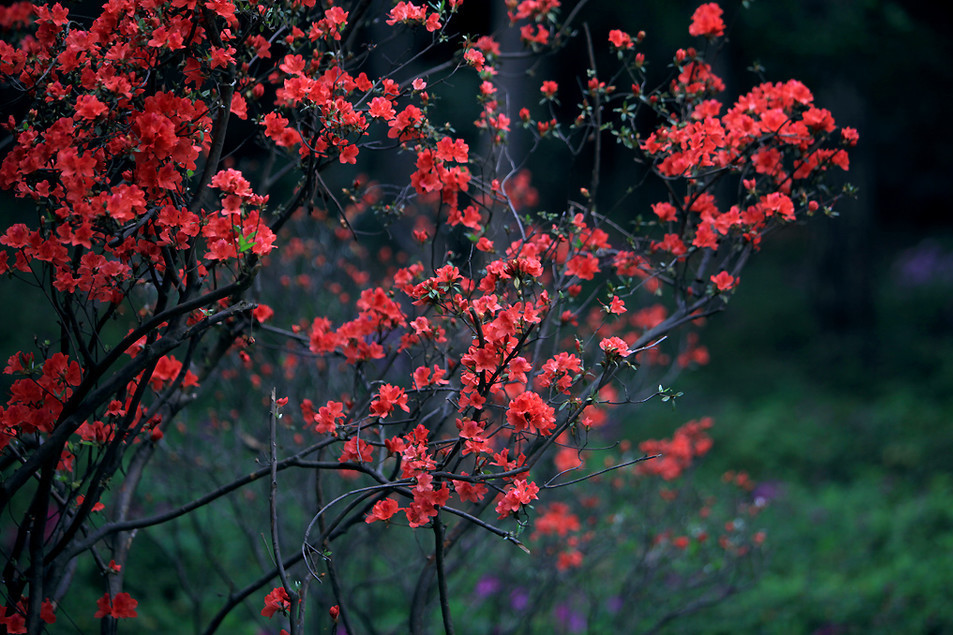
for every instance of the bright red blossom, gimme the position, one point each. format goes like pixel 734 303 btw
pixel 616 306
pixel 328 416
pixel 520 493
pixel 707 22
pixel 724 281
pixel 89 107
pixel 615 348
pixel 585 266
pixel 120 606
pixel 357 451
pixel 277 601
pixel 665 211
pixel 389 397
pixel 382 510
pixel 620 39
pixel 549 89
pixel 529 411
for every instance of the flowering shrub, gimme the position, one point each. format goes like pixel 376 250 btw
pixel 633 555
pixel 468 367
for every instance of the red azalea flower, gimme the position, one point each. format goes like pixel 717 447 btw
pixel 277 601
pixel 620 39
pixel 707 21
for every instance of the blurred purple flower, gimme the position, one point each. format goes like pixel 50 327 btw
pixel 574 622
pixel 923 264
pixel 767 491
pixel 519 599
pixel 487 586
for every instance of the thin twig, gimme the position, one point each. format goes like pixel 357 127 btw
pixel 441 575
pixel 549 484
pixel 273 509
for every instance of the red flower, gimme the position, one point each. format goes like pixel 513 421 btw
pixel 452 150
pixel 381 107
pixel 46 612
pixel 97 506
pixel 540 37
pixel 124 606
pixel 89 107
pixel 473 492
pixel 356 450
pixel 530 411
pixel 672 244
pixel 778 203
pixel 222 57
pixel 239 107
pixel 382 510
pixel 120 606
pixel 424 376
pixel 387 398
pixel 556 519
pixel 620 39
pixel 407 12
pixel 569 560
pixel 336 16
pixel 404 125
pixel 13 619
pixel 724 281
pixel 475 59
pixel 327 417
pixel 616 306
pixel 689 441
pixel 707 21
pixel 586 266
pixel 521 493
pixel 561 370
pixel 615 347
pixel 276 601
pixel 665 211
pixel 262 313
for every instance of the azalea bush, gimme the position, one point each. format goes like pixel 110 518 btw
pixel 632 554
pixel 301 273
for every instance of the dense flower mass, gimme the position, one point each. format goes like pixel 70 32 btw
pixel 226 196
